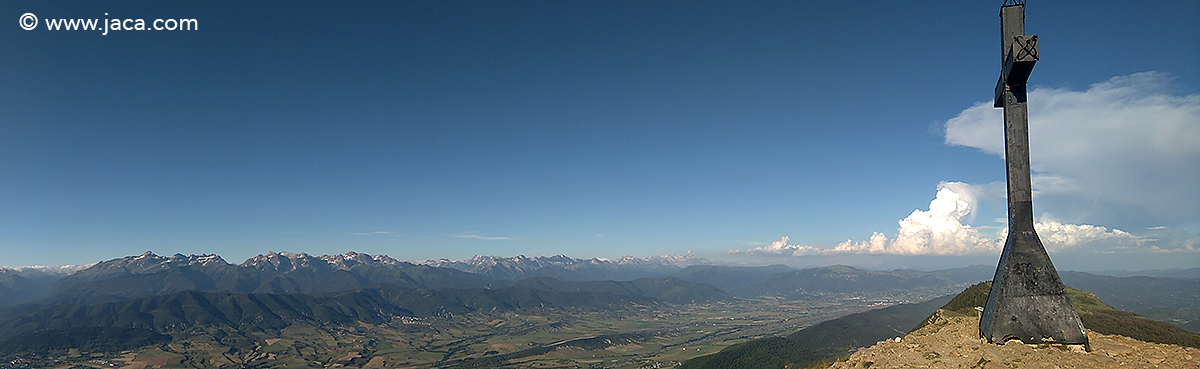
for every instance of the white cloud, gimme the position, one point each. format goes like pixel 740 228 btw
pixel 1125 151
pixel 937 231
pixel 778 247
pixel 375 233
pixel 1057 236
pixel 478 237
pixel 940 231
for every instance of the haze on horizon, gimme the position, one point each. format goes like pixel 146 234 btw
pixel 426 130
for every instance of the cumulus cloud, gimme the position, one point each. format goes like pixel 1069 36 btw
pixel 940 230
pixel 778 247
pixel 1125 151
pixel 937 231
pixel 1058 236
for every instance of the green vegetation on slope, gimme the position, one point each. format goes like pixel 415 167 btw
pixel 178 311
pixel 272 312
pixel 1138 293
pixel 963 304
pixel 1171 300
pixel 1135 326
pixel 1095 314
pixel 105 339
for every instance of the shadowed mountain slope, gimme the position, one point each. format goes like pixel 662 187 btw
pixel 820 342
pixel 270 312
pixel 830 340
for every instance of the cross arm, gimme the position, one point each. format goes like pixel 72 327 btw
pixel 1018 63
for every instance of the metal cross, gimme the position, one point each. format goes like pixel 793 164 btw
pixel 1028 301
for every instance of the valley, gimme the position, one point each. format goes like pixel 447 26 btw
pixel 284 310
pixel 638 336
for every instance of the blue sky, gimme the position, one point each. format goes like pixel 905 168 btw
pixel 446 129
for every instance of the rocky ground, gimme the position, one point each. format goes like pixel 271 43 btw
pixel 953 342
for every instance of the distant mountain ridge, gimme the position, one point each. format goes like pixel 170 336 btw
pixel 806 283
pixel 1192 273
pixel 25 284
pixel 283 272
pixel 149 274
pixel 145 263
pixel 274 290
pixel 280 273
pixel 285 262
pixel 1167 299
pixel 47 269
pixel 1173 300
pixel 567 268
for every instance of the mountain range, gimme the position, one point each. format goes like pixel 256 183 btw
pixel 24 284
pixel 149 274
pixel 278 273
pixel 270 291
pixel 165 293
pixel 567 268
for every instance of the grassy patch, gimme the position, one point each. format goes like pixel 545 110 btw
pixel 1135 326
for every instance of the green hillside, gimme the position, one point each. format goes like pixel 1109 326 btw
pixel 1095 314
pixel 1137 293
pixel 167 313
pixel 101 339
pixel 1171 300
